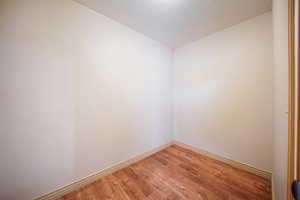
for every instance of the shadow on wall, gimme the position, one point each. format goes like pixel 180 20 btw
pixel 79 92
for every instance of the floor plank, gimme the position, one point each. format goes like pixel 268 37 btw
pixel 176 173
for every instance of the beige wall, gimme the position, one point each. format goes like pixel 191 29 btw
pixel 280 136
pixel 223 91
pixel 79 92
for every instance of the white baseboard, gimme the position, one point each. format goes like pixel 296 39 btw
pixel 98 175
pixel 246 167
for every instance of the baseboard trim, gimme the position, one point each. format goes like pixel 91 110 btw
pixel 243 166
pixel 96 176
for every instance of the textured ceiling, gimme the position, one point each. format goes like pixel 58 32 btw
pixel 177 22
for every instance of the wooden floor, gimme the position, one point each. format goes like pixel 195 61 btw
pixel 176 173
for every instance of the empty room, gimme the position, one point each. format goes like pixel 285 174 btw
pixel 149 100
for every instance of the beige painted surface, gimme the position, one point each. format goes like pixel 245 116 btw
pixel 223 93
pixel 280 136
pixel 79 92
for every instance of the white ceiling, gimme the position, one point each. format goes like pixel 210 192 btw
pixel 177 22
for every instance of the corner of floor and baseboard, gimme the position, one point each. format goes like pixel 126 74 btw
pixel 109 170
pixel 98 175
pixel 234 163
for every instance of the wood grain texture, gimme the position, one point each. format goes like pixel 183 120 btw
pixel 176 173
pixel 292 120
pixel 233 163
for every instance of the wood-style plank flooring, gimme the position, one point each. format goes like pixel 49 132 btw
pixel 176 173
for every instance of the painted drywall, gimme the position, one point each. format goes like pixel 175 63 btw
pixel 280 136
pixel 223 93
pixel 79 92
